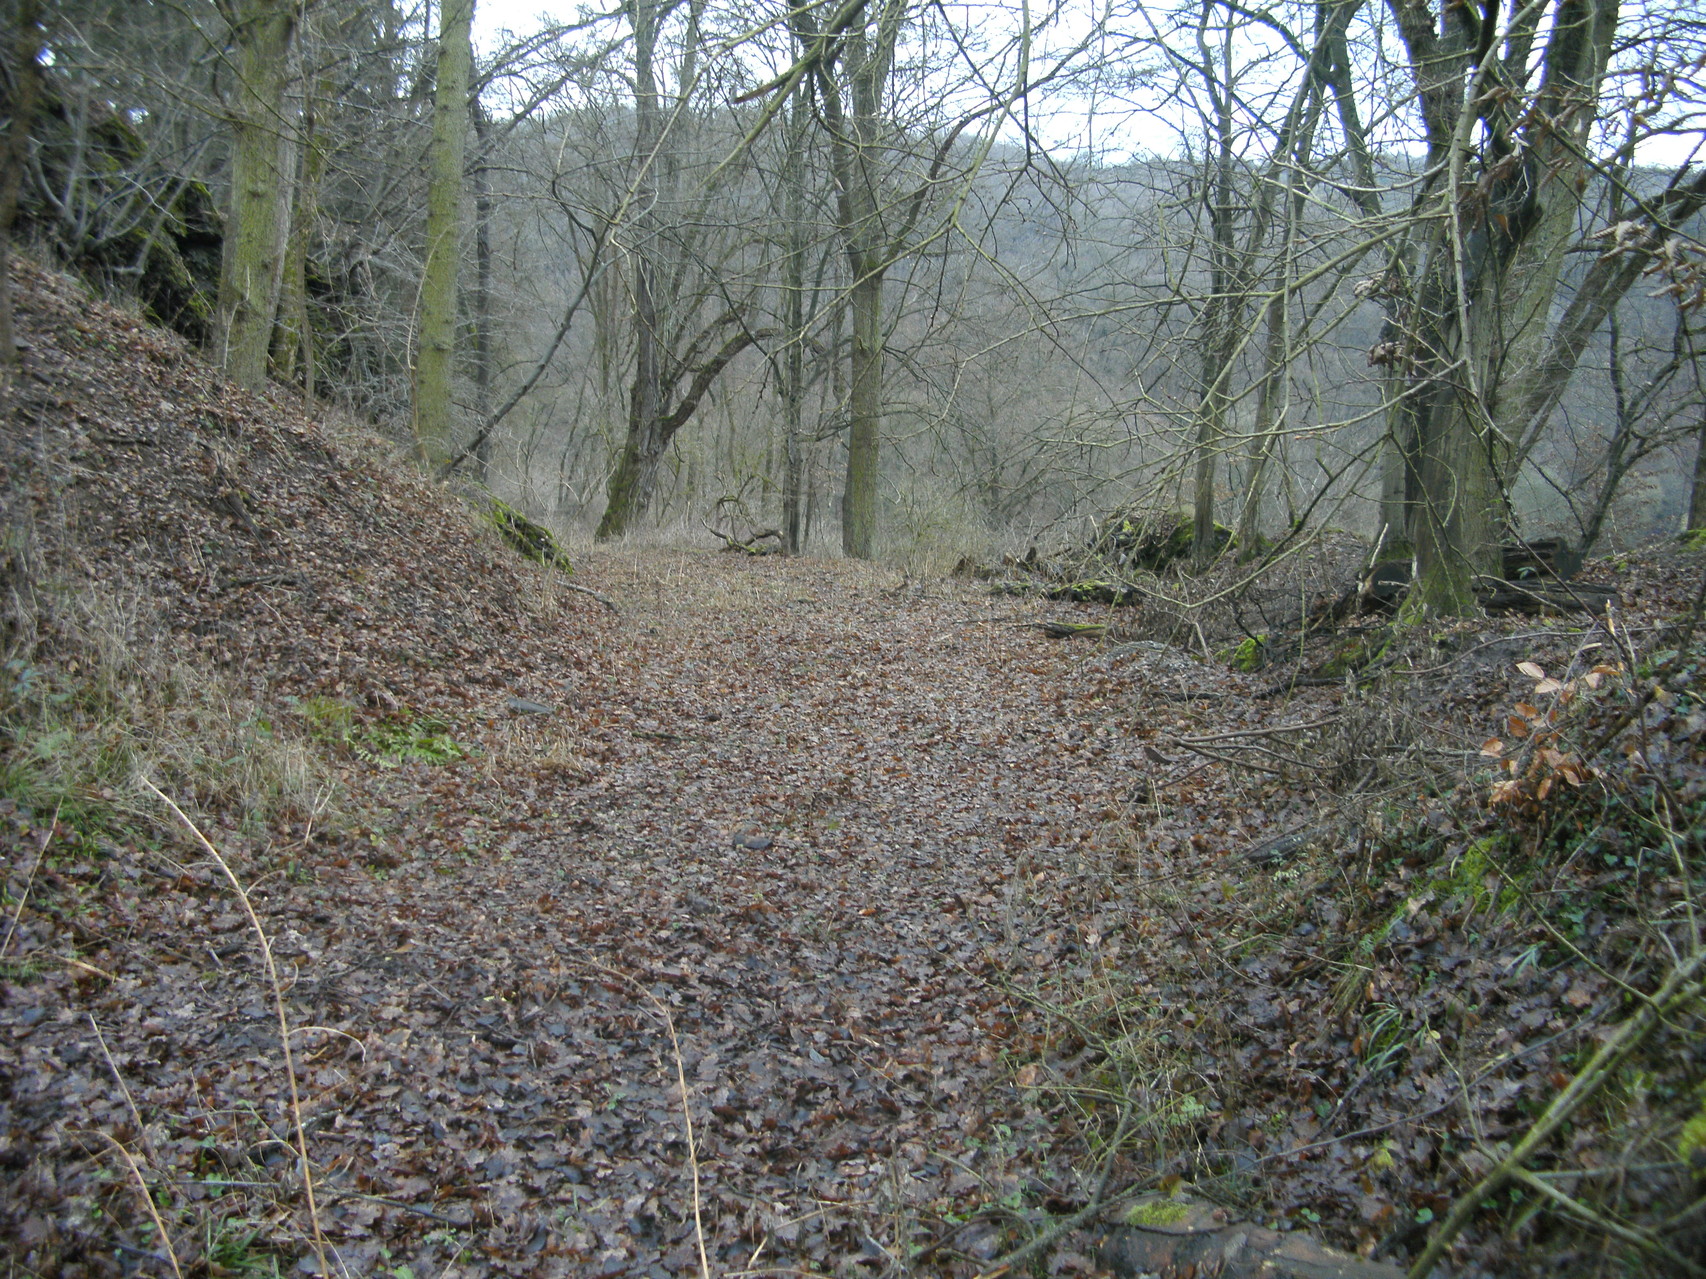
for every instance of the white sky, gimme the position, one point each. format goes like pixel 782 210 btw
pixel 1072 129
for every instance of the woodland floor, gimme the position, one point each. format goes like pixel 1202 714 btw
pixel 865 862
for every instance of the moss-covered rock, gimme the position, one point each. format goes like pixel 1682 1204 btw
pixel 1157 1212
pixel 1248 656
pixel 1095 591
pixel 535 541
pixel 1151 540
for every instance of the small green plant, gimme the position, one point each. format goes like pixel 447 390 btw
pixel 400 739
pixel 407 739
pixel 232 1249
pixel 1384 1041
pixel 327 718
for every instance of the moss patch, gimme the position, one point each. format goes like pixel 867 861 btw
pixel 535 541
pixel 1157 1212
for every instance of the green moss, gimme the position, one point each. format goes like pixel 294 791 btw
pixel 1095 591
pixel 1354 653
pixel 1468 875
pixel 535 541
pixel 1694 539
pixel 1249 656
pixel 1691 1141
pixel 1157 1212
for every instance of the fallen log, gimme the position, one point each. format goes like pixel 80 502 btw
pixel 752 545
pixel 1071 630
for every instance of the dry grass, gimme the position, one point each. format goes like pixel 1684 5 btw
pixel 542 743
pixel 99 699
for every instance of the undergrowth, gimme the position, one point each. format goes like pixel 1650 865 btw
pixel 98 699
pixel 1438 1038
pixel 399 738
pixel 95 710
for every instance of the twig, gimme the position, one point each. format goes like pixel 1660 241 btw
pixel 1682 985
pixel 686 1110
pixel 29 881
pixel 587 590
pixel 1002 1265
pixel 74 962
pixel 142 1131
pixel 319 1238
pixel 378 1199
pixel 692 1145
pixel 1232 733
pixel 1643 1239
pixel 147 1198
pixel 1218 758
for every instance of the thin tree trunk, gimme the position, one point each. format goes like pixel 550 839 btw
pixel 482 344
pixel 855 164
pixel 435 357
pixel 1697 487
pixel 26 47
pixel 1217 319
pixel 1269 423
pixel 293 338
pixel 794 324
pixel 252 263
pixel 631 484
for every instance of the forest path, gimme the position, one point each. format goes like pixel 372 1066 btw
pixel 835 821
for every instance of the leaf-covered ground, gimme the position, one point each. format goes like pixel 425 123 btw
pixel 829 922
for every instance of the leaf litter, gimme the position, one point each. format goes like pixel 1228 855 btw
pixel 920 905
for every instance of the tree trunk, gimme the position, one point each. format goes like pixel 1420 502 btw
pixel 1487 291
pixel 865 415
pixel 1217 316
pixel 636 473
pixel 794 324
pixel 658 405
pixel 293 356
pixel 631 486
pixel 1459 516
pixel 1270 422
pixel 435 357
pixel 482 345
pixel 1395 505
pixel 252 262
pixel 26 48
pixel 1697 487
pixel 1458 525
pixel 855 165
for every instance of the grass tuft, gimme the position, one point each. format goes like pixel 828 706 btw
pixel 99 700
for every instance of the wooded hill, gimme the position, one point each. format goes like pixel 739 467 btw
pixel 652 257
